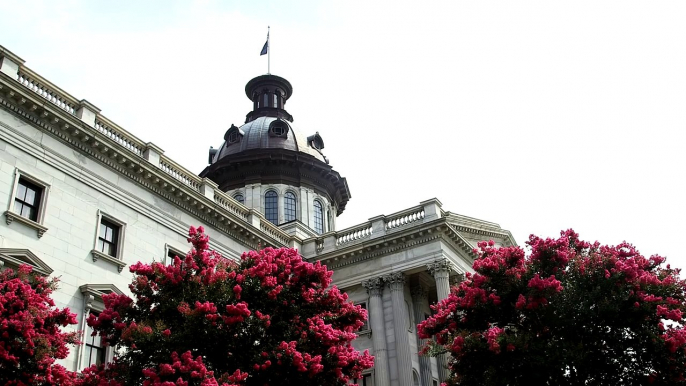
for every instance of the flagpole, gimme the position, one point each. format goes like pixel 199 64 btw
pixel 269 54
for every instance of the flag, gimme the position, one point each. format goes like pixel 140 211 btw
pixel 266 46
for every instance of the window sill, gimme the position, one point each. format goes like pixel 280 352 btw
pixel 113 260
pixel 11 216
pixel 365 332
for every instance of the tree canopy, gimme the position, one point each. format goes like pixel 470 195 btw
pixel 270 319
pixel 31 338
pixel 569 313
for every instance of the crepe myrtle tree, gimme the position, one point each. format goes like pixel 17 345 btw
pixel 31 336
pixel 570 313
pixel 270 319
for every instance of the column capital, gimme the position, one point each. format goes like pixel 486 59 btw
pixel 374 286
pixel 419 292
pixel 456 279
pixel 440 266
pixel 395 281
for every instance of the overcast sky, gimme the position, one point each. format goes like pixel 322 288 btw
pixel 537 115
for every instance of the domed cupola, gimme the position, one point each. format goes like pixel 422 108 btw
pixel 269 94
pixel 268 165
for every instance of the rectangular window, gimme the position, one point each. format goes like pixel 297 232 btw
pixel 435 382
pixel 109 241
pixel 366 380
pixel 27 199
pixel 171 253
pixel 108 238
pixel 94 351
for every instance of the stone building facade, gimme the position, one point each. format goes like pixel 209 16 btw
pixel 83 198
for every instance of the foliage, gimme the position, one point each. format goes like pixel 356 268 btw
pixel 571 313
pixel 30 330
pixel 270 319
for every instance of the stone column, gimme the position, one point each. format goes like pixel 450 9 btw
pixel 382 376
pixel 419 298
pixel 396 282
pixel 441 272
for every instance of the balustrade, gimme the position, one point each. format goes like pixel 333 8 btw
pixel 352 234
pixel 118 137
pixel 180 173
pixel 405 217
pixel 64 102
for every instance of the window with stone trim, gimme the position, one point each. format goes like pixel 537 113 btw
pixel 170 253
pixel 271 207
pixel 109 240
pixel 28 202
pixel 366 380
pixel 92 351
pixel 289 206
pixel 239 197
pixel 318 217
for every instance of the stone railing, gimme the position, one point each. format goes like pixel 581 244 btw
pixel 180 173
pixel 233 206
pixel 47 90
pixel 129 150
pixel 404 217
pixel 376 227
pixel 352 234
pixel 274 231
pixel 119 135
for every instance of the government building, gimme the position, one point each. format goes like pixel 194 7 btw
pixel 83 198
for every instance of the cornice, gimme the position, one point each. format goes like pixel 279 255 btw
pixel 404 238
pixel 70 130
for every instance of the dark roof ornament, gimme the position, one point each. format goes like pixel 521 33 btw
pixel 269 94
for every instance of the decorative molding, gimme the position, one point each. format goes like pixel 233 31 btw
pixel 142 172
pixel 17 257
pixel 99 255
pixel 374 286
pixel 11 216
pixel 93 293
pixel 440 267
pixel 395 281
pixel 456 279
pixel 419 292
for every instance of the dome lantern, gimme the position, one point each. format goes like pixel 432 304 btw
pixel 269 94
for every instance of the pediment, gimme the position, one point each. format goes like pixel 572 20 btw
pixel 97 290
pixel 92 295
pixel 14 257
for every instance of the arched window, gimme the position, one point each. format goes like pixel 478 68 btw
pixel 239 197
pixel 289 206
pixel 318 217
pixel 271 208
pixel 266 100
pixel 276 100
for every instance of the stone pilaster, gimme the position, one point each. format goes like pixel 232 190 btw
pixel 396 282
pixel 374 288
pixel 420 297
pixel 440 270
